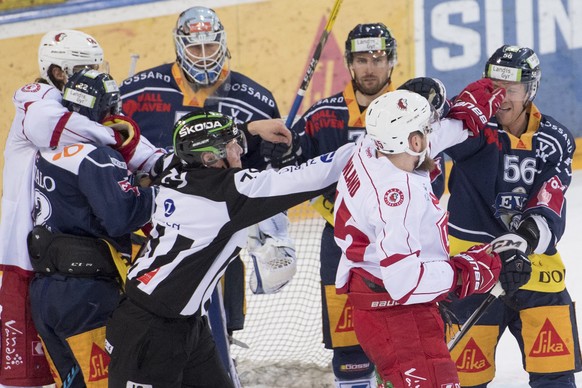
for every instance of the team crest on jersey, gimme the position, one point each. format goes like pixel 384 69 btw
pixel 30 88
pixel 127 187
pixel 394 197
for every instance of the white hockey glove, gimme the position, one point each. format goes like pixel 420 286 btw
pixel 272 252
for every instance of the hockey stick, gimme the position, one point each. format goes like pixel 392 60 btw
pixel 132 64
pixel 495 292
pixel 312 64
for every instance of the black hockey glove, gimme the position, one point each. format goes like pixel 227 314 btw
pixel 515 266
pixel 280 155
pixel 432 89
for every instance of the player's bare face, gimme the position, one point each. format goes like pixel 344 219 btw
pixel 511 113
pixel 371 71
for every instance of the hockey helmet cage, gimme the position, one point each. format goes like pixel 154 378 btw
pixel 200 43
pixel 515 64
pixel 202 131
pixel 372 37
pixel 68 49
pixel 392 117
pixel 92 94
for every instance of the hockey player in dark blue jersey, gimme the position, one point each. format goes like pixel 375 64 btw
pixel 85 208
pixel 507 187
pixel 201 77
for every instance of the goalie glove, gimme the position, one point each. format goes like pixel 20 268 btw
pixel 127 135
pixel 476 104
pixel 273 255
pixel 516 267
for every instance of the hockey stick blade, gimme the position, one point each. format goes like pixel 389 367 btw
pixel 312 64
pixel 495 292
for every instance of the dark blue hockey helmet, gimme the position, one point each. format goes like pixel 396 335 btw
pixel 371 37
pixel 515 64
pixel 202 131
pixel 93 94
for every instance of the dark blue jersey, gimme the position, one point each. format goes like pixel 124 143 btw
pixel 85 190
pixel 498 179
pixel 158 97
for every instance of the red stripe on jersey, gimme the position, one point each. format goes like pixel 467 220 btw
pixel 59 128
pixel 395 258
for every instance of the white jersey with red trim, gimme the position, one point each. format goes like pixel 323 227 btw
pixel 391 229
pixel 42 121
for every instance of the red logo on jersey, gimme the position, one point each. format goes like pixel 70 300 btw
pixel 127 187
pixel 99 364
pixel 551 195
pixel 394 197
pixel 472 359
pixel 146 102
pixel 548 343
pixel 148 276
pixel 346 321
pixel 402 104
pixel 30 88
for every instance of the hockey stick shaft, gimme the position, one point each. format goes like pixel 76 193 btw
pixel 495 292
pixel 132 64
pixel 312 64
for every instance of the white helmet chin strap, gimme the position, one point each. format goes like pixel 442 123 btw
pixel 421 155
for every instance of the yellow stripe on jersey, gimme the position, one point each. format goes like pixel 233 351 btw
pixel 524 142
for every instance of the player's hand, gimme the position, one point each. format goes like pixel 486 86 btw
pixel 516 267
pixel 478 270
pixel 476 104
pixel 280 154
pixel 273 130
pixel 127 135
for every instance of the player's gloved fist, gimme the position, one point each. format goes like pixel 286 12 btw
pixel 516 267
pixel 280 154
pixel 127 135
pixel 477 270
pixel 476 104
pixel 432 89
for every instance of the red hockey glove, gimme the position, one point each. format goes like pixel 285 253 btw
pixel 127 135
pixel 516 271
pixel 476 104
pixel 478 269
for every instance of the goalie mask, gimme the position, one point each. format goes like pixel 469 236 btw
pixel 68 49
pixel 200 42
pixel 392 117
pixel 93 94
pixel 515 64
pixel 200 132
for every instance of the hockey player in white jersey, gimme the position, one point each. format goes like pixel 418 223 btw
pixel 392 232
pixel 42 121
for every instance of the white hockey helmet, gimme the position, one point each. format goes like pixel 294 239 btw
pixel 200 42
pixel 392 117
pixel 67 49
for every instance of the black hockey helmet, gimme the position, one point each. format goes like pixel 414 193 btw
pixel 93 94
pixel 371 37
pixel 515 64
pixel 202 131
